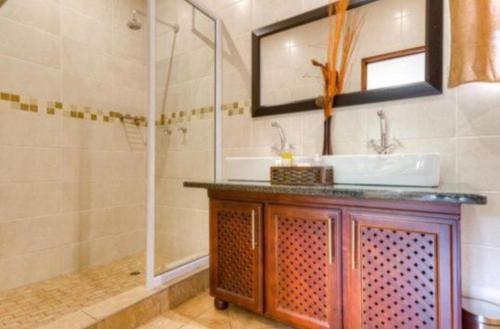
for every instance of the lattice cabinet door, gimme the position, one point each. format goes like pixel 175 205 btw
pixel 303 255
pixel 400 271
pixel 236 263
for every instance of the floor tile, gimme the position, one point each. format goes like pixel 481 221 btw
pixel 199 313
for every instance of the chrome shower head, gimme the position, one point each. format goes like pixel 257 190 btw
pixel 134 24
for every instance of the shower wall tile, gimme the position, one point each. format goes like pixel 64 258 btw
pixel 127 45
pixel 28 164
pixel 128 191
pixel 72 190
pixel 81 90
pixel 30 44
pixel 24 200
pixel 86 30
pixel 26 78
pixel 28 129
pixel 78 59
pixel 126 165
pixel 130 74
pixel 97 9
pixel 41 14
pixel 86 195
pixel 83 165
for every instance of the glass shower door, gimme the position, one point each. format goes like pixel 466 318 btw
pixel 185 94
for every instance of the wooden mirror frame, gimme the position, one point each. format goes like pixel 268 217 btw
pixel 433 84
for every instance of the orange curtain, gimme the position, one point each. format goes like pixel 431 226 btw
pixel 475 41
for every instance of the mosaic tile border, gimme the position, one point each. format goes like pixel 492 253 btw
pixel 29 104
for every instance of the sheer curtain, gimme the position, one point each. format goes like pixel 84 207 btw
pixel 475 49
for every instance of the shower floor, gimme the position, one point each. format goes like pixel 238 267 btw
pixel 43 302
pixel 40 303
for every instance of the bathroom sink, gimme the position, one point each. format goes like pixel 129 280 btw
pixel 254 169
pixel 422 169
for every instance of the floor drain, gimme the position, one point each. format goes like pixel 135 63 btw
pixel 136 273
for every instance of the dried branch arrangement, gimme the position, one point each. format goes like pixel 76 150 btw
pixel 342 38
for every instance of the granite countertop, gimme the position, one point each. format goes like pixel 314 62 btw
pixel 447 193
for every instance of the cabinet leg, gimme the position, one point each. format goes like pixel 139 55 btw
pixel 220 304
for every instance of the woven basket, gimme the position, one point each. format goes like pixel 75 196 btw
pixel 302 176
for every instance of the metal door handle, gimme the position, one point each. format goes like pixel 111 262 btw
pixel 253 230
pixel 354 235
pixel 330 241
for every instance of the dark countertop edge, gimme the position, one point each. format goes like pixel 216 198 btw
pixel 358 192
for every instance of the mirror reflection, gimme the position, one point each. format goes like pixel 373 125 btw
pixel 390 52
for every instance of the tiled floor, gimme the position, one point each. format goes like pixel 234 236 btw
pixel 40 303
pixel 199 313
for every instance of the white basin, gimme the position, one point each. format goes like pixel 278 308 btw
pixel 254 169
pixel 422 169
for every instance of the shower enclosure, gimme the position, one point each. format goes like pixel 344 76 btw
pixel 183 134
pixel 73 129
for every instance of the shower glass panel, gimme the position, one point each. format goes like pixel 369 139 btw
pixel 185 102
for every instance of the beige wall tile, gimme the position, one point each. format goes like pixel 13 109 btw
pixel 95 224
pixel 81 165
pixel 22 200
pixel 78 90
pixel 478 161
pixel 86 195
pixel 37 129
pixel 129 192
pixel 128 165
pixel 27 164
pixel 129 46
pixel 84 134
pixel 131 74
pixel 26 78
pixel 97 9
pixel 481 224
pixel 480 273
pixel 130 101
pixel 86 30
pixel 130 218
pixel 78 59
pixel 478 109
pixel 30 44
pixel 37 13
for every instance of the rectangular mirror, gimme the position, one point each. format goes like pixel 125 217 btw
pixel 398 55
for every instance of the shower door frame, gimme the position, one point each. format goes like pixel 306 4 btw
pixel 153 280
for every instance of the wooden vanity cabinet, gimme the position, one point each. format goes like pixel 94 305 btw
pixel 335 263
pixel 398 270
pixel 302 266
pixel 236 263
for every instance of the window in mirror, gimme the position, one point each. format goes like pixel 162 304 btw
pixel 393 69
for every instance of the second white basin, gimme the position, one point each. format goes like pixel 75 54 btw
pixel 419 169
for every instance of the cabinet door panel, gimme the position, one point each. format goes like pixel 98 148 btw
pixel 398 271
pixel 236 264
pixel 303 253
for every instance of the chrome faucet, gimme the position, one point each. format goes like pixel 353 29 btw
pixel 384 147
pixel 284 146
